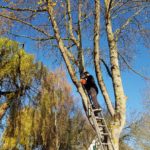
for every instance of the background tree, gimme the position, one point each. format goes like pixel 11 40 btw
pixel 53 123
pixel 19 75
pixel 67 26
pixel 136 133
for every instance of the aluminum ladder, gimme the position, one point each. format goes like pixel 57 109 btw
pixel 99 124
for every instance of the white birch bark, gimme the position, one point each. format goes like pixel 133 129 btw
pixel 97 58
pixel 120 98
pixel 63 51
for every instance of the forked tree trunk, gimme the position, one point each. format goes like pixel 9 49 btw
pixel 64 52
pixel 118 115
pixel 118 120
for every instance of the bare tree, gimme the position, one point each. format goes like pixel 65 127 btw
pixel 67 24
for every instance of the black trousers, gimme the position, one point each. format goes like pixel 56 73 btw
pixel 93 97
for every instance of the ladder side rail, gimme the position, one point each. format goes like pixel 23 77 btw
pixel 105 126
pixel 107 130
pixel 96 127
pixel 94 121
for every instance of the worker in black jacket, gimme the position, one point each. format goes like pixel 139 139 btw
pixel 88 82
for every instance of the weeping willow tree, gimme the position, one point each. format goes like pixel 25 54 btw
pixel 52 123
pixel 19 75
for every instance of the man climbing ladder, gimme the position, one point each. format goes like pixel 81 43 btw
pixel 96 117
pixel 88 82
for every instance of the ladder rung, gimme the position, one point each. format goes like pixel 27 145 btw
pixel 97 110
pixel 106 144
pixel 99 121
pixel 98 118
pixel 102 125
pixel 105 134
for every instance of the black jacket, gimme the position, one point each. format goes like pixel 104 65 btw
pixel 90 83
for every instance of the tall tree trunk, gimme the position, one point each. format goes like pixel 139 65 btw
pixel 97 58
pixel 64 52
pixel 120 106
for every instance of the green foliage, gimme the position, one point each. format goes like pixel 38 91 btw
pixel 12 137
pixel 53 123
pixel 19 75
pixel 15 62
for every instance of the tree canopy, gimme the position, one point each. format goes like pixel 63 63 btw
pixel 19 74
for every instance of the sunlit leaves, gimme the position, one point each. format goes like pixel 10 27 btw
pixel 18 75
pixel 16 63
pixel 21 132
pixel 54 118
pixel 36 124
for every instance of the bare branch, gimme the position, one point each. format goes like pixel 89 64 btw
pixel 79 21
pixel 107 68
pixel 120 98
pixel 26 23
pixel 32 38
pixel 70 46
pixel 133 70
pixel 61 45
pixel 119 6
pixel 4 93
pixel 70 23
pixel 3 108
pixel 23 9
pixel 72 58
pixel 46 39
pixel 128 8
pixel 110 5
pixel 118 31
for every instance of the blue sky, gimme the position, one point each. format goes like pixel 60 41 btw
pixel 133 84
